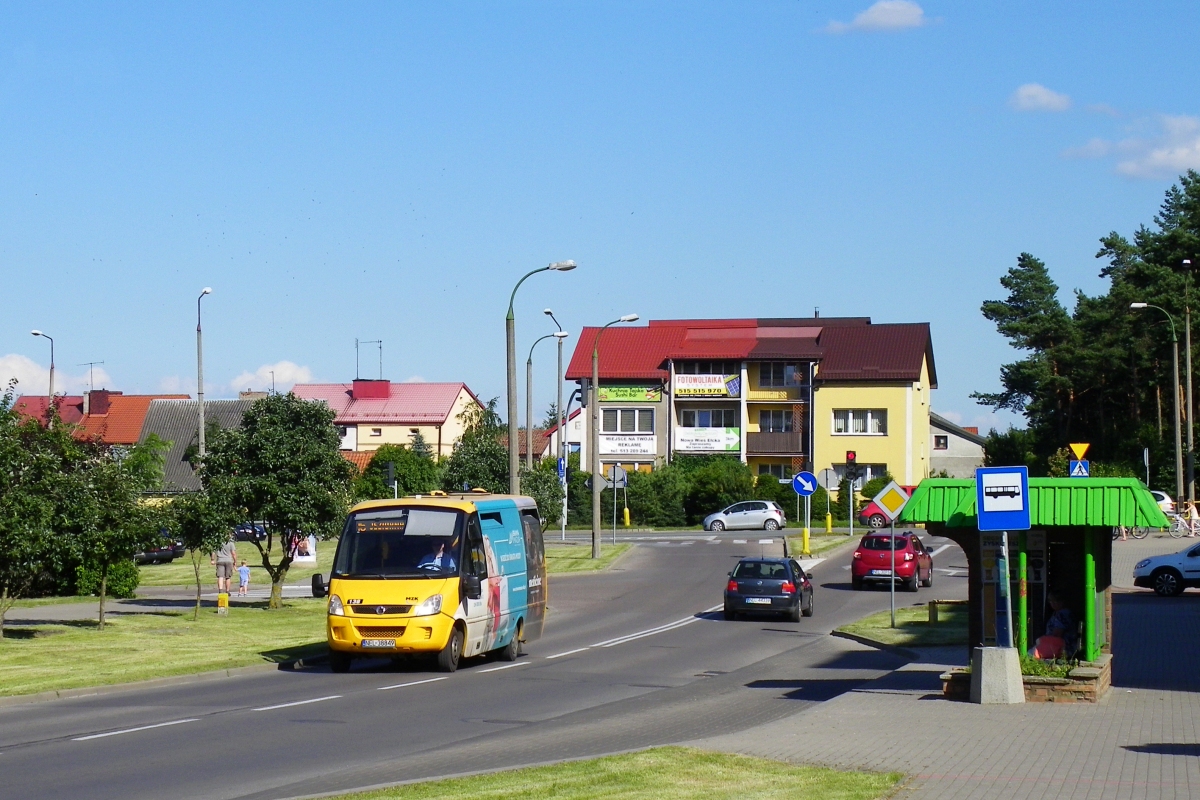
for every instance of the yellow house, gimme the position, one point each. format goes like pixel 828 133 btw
pixel 370 414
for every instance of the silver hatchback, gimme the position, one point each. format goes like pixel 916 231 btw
pixel 747 515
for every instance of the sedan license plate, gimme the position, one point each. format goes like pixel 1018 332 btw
pixel 379 643
pixel 881 572
pixel 766 601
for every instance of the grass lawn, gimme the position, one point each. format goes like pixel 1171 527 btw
pixel 180 573
pixel 912 626
pixel 817 545
pixel 562 558
pixel 135 647
pixel 676 772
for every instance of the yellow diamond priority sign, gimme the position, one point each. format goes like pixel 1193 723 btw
pixel 891 500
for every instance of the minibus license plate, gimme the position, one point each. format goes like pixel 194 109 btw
pixel 766 601
pixel 379 643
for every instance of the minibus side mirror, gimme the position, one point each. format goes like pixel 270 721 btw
pixel 319 587
pixel 471 587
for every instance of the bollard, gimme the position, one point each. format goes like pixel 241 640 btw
pixel 223 603
pixel 804 543
pixel 828 524
pixel 933 611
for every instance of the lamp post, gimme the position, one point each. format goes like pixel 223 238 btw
pixel 594 443
pixel 558 406
pixel 529 394
pixel 510 331
pixel 1174 391
pixel 51 395
pixel 1187 349
pixel 200 371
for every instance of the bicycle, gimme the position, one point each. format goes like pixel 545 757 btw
pixel 1181 527
pixel 1136 531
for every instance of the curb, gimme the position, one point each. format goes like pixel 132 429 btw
pixel 904 652
pixel 154 683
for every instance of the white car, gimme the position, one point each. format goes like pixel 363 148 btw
pixel 1164 501
pixel 1170 574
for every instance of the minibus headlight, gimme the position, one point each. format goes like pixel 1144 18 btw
pixel 335 606
pixel 431 606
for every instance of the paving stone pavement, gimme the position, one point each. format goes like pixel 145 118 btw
pixel 1141 741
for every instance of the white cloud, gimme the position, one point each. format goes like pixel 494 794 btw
pixel 33 378
pixel 884 15
pixel 1171 147
pixel 414 379
pixel 286 374
pixel 1035 97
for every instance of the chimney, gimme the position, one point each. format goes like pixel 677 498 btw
pixel 97 402
pixel 973 429
pixel 371 390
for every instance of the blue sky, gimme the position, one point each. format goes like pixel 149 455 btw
pixel 387 171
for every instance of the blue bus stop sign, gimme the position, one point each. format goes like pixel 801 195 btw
pixel 562 470
pixel 1002 498
pixel 805 483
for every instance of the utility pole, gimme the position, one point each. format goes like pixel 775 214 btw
pixel 1191 409
pixel 200 372
pixel 594 399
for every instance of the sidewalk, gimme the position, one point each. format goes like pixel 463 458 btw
pixel 1141 741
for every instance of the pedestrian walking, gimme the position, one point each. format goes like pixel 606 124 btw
pixel 243 579
pixel 223 560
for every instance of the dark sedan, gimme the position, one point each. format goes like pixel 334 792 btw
pixel 769 586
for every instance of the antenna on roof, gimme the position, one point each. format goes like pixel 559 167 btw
pixel 372 341
pixel 89 365
pixel 816 312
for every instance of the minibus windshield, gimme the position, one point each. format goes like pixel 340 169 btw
pixel 400 543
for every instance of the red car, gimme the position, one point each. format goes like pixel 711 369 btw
pixel 872 515
pixel 873 561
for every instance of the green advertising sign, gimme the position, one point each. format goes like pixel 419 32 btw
pixel 630 394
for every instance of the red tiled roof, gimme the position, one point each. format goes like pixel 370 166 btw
pixel 359 458
pixel 70 407
pixel 877 352
pixel 408 403
pixel 849 348
pixel 540 440
pixel 123 422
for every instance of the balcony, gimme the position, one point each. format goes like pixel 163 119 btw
pixel 765 444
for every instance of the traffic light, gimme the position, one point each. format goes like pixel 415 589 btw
pixel 851 464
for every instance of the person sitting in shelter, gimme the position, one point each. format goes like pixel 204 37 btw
pixel 1061 639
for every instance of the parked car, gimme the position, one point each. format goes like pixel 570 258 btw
pixel 164 553
pixel 872 561
pixel 769 585
pixel 247 532
pixel 1170 574
pixel 751 514
pixel 1164 501
pixel 872 515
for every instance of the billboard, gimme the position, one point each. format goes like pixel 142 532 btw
pixel 629 444
pixel 630 394
pixel 721 440
pixel 708 386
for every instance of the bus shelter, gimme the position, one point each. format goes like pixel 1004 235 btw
pixel 1067 551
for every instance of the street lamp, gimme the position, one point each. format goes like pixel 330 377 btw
pixel 1174 391
pixel 44 336
pixel 1187 348
pixel 529 394
pixel 510 330
pixel 561 422
pixel 594 444
pixel 200 370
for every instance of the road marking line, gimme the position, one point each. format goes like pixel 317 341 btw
pixel 568 653
pixel 670 626
pixel 940 549
pixel 134 730
pixel 714 541
pixel 766 541
pixel 506 666
pixel 739 541
pixel 410 683
pixel 298 703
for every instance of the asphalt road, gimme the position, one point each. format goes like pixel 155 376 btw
pixel 632 657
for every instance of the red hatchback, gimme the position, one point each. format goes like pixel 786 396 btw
pixel 873 561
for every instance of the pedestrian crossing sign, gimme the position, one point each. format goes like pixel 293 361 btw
pixel 1081 469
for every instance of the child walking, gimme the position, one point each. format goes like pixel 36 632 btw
pixel 243 579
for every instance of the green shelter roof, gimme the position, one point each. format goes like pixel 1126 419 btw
pixel 1054 502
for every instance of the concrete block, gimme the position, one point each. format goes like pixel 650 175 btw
pixel 996 676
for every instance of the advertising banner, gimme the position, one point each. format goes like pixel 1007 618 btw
pixel 637 444
pixel 630 394
pixel 708 385
pixel 709 439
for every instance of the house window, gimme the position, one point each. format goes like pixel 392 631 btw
pixel 709 418
pixel 628 420
pixel 708 368
pixel 941 442
pixel 772 374
pixel 782 471
pixel 775 421
pixel 377 431
pixel 414 431
pixel 867 422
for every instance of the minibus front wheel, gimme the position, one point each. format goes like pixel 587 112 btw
pixel 447 659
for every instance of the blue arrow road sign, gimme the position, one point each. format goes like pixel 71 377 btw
pixel 1081 469
pixel 562 469
pixel 1002 498
pixel 805 483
